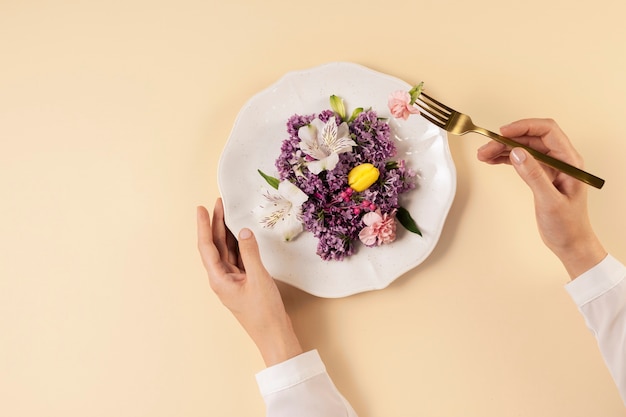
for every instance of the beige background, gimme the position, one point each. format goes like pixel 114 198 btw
pixel 112 118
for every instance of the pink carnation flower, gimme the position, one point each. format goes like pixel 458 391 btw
pixel 379 228
pixel 400 105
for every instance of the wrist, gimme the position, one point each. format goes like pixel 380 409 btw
pixel 279 350
pixel 278 343
pixel 579 258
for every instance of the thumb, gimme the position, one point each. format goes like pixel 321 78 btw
pixel 531 172
pixel 250 256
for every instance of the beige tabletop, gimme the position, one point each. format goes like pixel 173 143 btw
pixel 113 115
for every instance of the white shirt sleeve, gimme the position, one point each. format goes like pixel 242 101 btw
pixel 301 387
pixel 600 295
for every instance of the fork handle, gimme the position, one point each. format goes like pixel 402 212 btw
pixel 568 169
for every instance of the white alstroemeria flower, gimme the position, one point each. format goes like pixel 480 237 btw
pixel 283 212
pixel 324 142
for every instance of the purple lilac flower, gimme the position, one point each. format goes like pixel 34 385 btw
pixel 372 135
pixel 334 220
pixel 290 146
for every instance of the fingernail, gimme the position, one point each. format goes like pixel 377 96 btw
pixel 518 156
pixel 245 234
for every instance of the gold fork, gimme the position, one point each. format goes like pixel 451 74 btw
pixel 460 124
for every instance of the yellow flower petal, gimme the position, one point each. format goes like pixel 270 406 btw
pixel 361 177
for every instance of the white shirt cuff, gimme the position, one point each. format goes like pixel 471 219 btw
pixel 289 373
pixel 596 281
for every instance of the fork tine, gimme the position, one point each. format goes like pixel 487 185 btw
pixel 433 118
pixel 431 108
pixel 438 103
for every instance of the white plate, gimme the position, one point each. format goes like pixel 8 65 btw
pixel 255 143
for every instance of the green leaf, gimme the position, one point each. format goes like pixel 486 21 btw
pixel 355 114
pixel 270 180
pixel 391 165
pixel 416 91
pixel 336 103
pixel 405 219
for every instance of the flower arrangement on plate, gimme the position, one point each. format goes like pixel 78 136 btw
pixel 338 179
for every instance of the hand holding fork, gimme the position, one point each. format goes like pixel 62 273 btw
pixel 459 124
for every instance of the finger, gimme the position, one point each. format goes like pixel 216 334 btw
pixel 498 160
pixel 492 152
pixel 232 247
pixel 529 127
pixel 222 237
pixel 207 249
pixel 533 174
pixel 545 135
pixel 250 256
pixel 220 274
